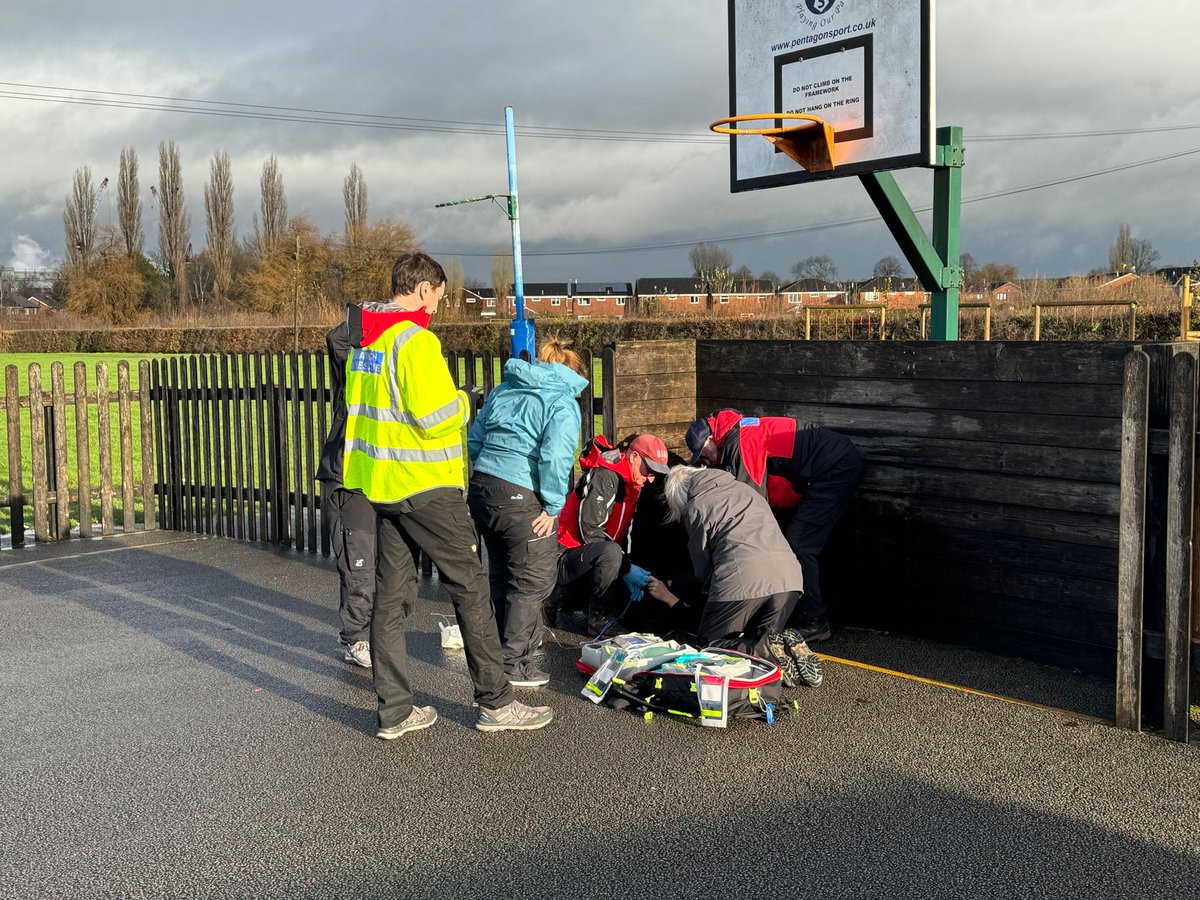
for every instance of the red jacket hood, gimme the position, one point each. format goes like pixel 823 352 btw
pixel 721 424
pixel 376 322
pixel 599 455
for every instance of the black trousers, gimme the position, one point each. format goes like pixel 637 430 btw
pixel 521 566
pixel 745 625
pixel 589 577
pixel 353 520
pixel 809 527
pixel 437 522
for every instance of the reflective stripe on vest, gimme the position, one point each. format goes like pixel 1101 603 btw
pixel 389 454
pixel 401 417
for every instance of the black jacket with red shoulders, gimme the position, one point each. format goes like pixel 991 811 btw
pixel 601 505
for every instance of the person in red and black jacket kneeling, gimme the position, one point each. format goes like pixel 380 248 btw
pixel 594 525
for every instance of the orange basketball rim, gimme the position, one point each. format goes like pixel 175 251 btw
pixel 809 142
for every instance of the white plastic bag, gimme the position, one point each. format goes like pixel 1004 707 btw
pixel 452 638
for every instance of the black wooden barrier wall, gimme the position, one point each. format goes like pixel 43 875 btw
pixel 1018 497
pixel 989 511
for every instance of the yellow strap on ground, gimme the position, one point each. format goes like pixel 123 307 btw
pixel 960 688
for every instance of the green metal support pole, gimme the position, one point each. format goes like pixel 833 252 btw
pixel 947 219
pixel 936 263
pixel 902 222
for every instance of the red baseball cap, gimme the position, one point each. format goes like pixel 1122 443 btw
pixel 653 451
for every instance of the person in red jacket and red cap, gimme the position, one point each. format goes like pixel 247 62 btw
pixel 594 524
pixel 806 472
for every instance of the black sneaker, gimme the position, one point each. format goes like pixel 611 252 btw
pixel 808 664
pixel 814 629
pixel 778 653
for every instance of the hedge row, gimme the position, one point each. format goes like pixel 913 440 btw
pixel 591 334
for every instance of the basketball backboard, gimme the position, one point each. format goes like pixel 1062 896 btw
pixel 864 66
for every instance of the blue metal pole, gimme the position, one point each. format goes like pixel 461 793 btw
pixel 522 328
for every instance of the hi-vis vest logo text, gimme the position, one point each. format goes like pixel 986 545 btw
pixel 368 361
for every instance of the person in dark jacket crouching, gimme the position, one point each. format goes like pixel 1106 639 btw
pixel 522 447
pixel 806 472
pixel 747 569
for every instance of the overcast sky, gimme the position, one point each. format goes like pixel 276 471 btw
pixel 1011 68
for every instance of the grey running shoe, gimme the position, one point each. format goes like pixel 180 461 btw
pixel 532 677
pixel 358 653
pixel 420 717
pixel 780 656
pixel 808 664
pixel 514 717
pixel 814 629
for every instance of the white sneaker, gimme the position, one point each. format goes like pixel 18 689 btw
pixel 358 653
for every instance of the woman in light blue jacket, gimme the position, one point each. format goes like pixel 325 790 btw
pixel 522 448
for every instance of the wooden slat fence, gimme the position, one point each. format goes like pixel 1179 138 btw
pixel 70 475
pixel 239 440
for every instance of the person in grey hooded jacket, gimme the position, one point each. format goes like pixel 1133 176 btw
pixel 522 447
pixel 750 575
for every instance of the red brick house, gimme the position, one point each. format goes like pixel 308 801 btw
pixel 895 291
pixel 812 292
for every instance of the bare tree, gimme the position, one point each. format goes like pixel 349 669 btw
pixel 354 192
pixel 889 266
pixel 970 269
pixel 174 225
pixel 1130 254
pixel 218 213
pixel 993 274
pixel 815 267
pixel 711 264
pixel 1120 254
pixel 455 278
pixel 79 218
pixel 129 203
pixel 272 206
pixel 502 279
pixel 772 279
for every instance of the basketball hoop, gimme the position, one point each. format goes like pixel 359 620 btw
pixel 809 143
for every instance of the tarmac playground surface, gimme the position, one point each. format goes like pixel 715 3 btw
pixel 177 722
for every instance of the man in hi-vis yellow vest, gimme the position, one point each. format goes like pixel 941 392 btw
pixel 404 451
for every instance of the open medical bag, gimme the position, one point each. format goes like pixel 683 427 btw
pixel 710 685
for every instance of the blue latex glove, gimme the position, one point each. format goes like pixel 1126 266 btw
pixel 636 580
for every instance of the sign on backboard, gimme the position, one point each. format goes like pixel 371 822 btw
pixel 864 66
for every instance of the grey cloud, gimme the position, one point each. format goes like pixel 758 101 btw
pixel 1026 67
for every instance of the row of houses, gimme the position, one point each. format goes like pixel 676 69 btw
pixel 745 298
pixel 676 296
